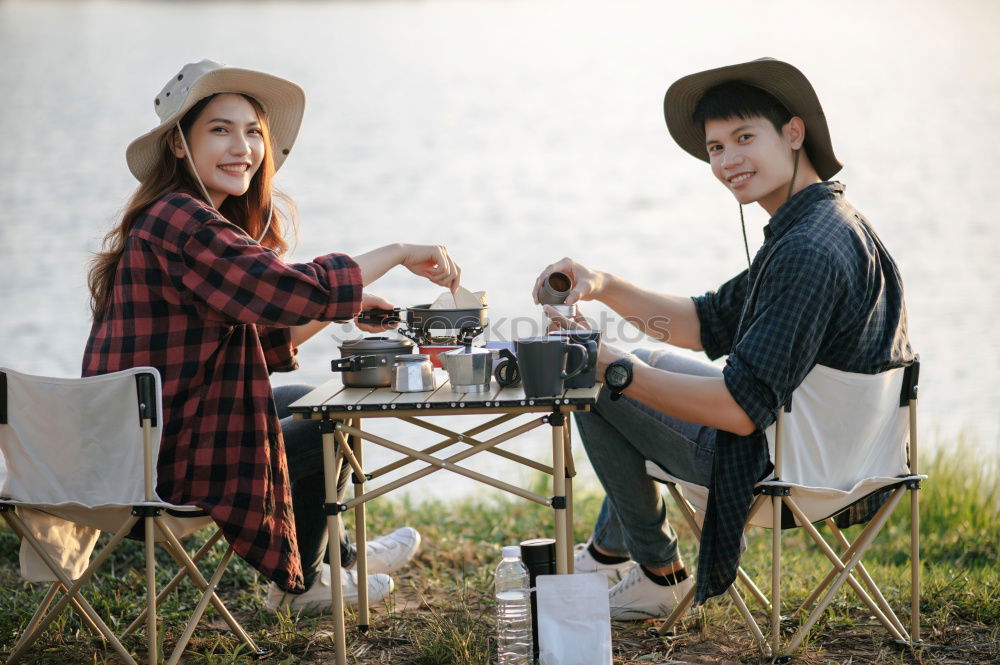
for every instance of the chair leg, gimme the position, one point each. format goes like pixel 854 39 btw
pixel 688 512
pixel 152 644
pixel 758 503
pixel 862 543
pixel 868 581
pixel 776 575
pixel 55 588
pixel 179 554
pixel 84 616
pixel 173 584
pixel 40 612
pixel 744 611
pixel 914 564
pixel 678 612
pixel 199 610
pixel 72 591
pixel 880 614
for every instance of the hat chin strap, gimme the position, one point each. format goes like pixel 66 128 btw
pixel 204 190
pixel 190 163
pixel 791 186
pixel 795 173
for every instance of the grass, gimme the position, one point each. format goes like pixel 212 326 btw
pixel 442 611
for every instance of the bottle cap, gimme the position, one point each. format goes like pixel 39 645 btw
pixel 512 551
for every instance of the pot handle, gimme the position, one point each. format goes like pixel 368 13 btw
pixel 383 316
pixel 356 363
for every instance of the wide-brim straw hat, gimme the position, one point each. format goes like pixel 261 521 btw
pixel 785 82
pixel 283 103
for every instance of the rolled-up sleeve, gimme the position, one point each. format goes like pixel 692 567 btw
pixel 279 353
pixel 796 298
pixel 719 315
pixel 247 283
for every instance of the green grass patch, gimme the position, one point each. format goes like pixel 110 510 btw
pixel 442 611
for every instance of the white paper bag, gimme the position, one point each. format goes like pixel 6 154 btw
pixel 68 543
pixel 574 619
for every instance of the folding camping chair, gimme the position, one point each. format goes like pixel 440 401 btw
pixel 78 456
pixel 842 438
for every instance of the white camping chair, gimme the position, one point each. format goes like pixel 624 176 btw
pixel 78 456
pixel 843 437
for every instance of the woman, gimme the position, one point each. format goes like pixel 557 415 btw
pixel 192 282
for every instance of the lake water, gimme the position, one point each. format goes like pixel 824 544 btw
pixel 515 133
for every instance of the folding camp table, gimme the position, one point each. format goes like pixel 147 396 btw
pixel 341 412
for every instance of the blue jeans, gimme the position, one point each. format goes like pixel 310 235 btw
pixel 304 451
pixel 619 437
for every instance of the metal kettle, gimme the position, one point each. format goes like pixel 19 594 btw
pixel 469 369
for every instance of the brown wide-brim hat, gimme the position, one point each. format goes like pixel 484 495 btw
pixel 785 82
pixel 283 102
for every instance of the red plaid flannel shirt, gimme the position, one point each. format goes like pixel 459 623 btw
pixel 207 306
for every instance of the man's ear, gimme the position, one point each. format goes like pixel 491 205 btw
pixel 175 143
pixel 794 132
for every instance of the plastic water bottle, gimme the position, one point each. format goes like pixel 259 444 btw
pixel 513 609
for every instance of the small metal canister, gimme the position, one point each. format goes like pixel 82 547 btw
pixel 555 288
pixel 413 373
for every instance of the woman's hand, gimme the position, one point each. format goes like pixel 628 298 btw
pixel 371 301
pixel 587 283
pixel 432 262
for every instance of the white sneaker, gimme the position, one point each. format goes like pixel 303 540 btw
pixel 584 562
pixel 318 597
pixel 388 553
pixel 637 597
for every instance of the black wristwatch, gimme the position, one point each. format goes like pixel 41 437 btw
pixel 618 376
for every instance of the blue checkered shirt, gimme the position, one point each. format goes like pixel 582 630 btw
pixel 822 289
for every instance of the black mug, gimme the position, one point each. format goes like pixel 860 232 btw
pixel 542 361
pixel 590 339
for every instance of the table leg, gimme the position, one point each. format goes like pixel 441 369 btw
pixel 361 531
pixel 331 472
pixel 570 472
pixel 557 421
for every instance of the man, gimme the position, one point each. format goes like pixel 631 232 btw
pixel 822 289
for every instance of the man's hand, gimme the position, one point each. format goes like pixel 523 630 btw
pixel 559 322
pixel 606 353
pixel 370 301
pixel 587 283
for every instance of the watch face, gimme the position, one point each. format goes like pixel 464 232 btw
pixel 616 376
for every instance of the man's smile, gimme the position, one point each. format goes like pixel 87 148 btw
pixel 740 177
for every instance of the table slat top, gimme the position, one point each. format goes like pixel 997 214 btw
pixel 332 396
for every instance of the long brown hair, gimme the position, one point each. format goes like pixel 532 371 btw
pixel 249 211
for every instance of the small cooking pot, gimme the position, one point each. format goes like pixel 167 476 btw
pixel 367 362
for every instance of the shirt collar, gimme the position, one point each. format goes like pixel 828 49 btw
pixel 794 208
